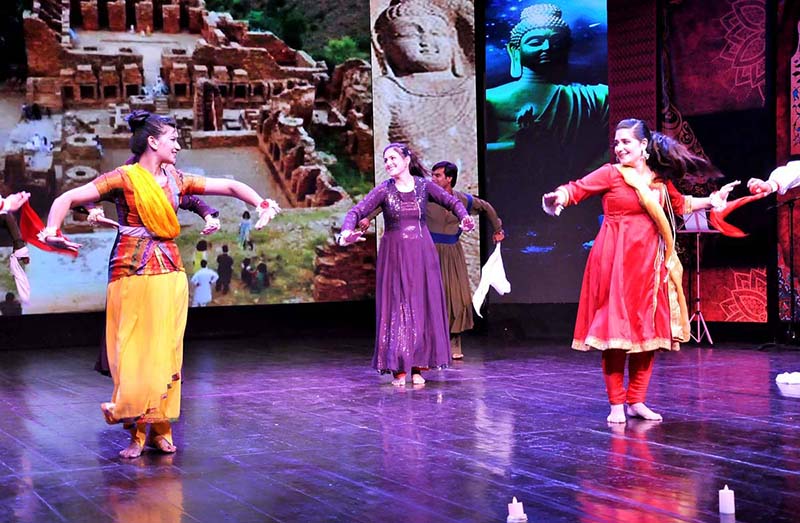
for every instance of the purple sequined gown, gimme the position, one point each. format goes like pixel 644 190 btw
pixel 411 319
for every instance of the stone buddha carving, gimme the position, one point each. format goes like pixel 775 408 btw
pixel 426 94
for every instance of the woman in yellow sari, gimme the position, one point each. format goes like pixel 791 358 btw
pixel 147 296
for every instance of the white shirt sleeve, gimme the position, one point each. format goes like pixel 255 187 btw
pixel 786 177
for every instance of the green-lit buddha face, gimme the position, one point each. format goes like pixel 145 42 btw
pixel 540 42
pixel 543 46
pixel 417 44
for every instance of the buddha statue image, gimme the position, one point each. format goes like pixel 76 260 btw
pixel 425 95
pixel 537 107
pixel 543 128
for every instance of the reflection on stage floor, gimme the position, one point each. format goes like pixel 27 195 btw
pixel 301 430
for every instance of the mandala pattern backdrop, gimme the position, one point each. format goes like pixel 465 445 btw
pixel 719 55
pixel 730 294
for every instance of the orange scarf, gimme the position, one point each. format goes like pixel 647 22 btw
pixel 679 311
pixel 158 216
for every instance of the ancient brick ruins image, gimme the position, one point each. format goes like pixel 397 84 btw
pixel 247 106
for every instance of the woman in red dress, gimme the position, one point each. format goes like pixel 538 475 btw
pixel 631 300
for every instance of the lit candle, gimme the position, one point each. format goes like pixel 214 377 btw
pixel 727 504
pixel 515 512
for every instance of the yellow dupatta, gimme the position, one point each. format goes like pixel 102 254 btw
pixel 152 205
pixel 679 312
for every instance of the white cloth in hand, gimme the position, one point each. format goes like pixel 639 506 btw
pixel 265 214
pixel 20 278
pixel 212 225
pixel 493 274
pixel 551 204
pixel 346 238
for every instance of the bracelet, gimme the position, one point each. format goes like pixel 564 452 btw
pixel 264 204
pixel 47 232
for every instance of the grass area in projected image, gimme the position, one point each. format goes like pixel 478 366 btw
pixel 546 106
pixel 274 94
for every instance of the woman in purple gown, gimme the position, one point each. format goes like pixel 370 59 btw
pixel 411 319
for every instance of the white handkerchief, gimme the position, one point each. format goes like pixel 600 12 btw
pixel 20 278
pixel 493 274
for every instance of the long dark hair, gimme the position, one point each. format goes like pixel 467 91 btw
pixel 143 125
pixel 415 167
pixel 668 158
pixel 673 161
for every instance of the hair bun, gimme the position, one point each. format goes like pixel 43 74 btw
pixel 137 119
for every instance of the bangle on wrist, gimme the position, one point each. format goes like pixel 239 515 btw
pixel 47 232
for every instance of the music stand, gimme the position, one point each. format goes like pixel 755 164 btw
pixel 697 223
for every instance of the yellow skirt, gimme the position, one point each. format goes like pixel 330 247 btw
pixel 145 321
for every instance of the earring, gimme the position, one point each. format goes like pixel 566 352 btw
pixel 645 154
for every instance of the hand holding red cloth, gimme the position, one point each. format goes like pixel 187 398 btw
pixel 29 226
pixel 717 218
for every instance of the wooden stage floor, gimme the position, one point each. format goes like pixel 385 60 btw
pixel 302 430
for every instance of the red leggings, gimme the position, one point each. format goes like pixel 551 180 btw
pixel 640 367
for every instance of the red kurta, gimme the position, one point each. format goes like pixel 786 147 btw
pixel 622 305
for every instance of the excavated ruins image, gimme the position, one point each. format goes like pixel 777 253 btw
pixel 247 106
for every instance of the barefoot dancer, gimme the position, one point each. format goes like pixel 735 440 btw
pixel 411 319
pixel 631 300
pixel 147 295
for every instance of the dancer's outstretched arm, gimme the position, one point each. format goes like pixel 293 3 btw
pixel 267 209
pixel 58 211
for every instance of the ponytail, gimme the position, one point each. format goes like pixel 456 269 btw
pixel 673 161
